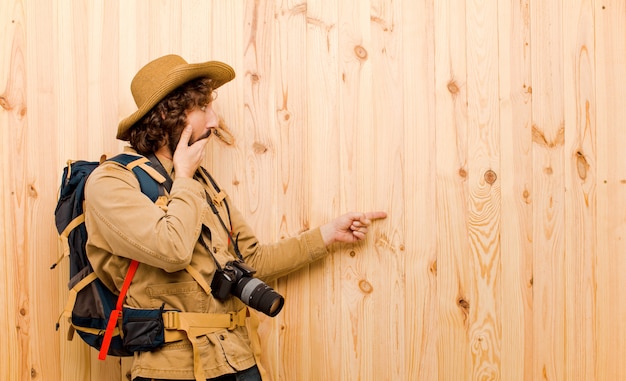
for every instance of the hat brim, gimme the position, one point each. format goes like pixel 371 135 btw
pixel 219 72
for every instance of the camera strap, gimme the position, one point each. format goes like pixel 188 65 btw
pixel 211 202
pixel 235 242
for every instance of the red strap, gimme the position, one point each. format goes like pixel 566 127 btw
pixel 115 314
pixel 108 334
pixel 129 278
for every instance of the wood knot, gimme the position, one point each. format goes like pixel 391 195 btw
pixel 259 148
pixel 453 88
pixel 463 173
pixel 4 103
pixel 581 165
pixel 284 115
pixel 352 253
pixel 360 52
pixel 464 304
pixel 490 177
pixel 433 267
pixel 255 77
pixel 32 191
pixel 366 286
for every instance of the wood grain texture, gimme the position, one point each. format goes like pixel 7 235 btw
pixel 17 321
pixel 548 131
pixel 292 193
pixel 491 132
pixel 516 181
pixel 454 262
pixel 324 179
pixel 416 23
pixel 484 229
pixel 386 263
pixel 610 73
pixel 258 149
pixel 356 121
pixel 580 156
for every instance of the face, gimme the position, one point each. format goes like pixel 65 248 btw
pixel 203 120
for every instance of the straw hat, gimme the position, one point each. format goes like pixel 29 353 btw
pixel 161 76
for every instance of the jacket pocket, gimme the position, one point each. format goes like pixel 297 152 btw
pixel 181 296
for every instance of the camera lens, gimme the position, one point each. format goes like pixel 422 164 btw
pixel 259 296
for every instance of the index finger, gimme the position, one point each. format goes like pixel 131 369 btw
pixel 375 215
pixel 185 136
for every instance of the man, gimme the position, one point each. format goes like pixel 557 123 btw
pixel 190 239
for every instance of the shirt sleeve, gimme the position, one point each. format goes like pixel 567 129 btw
pixel 280 258
pixel 123 221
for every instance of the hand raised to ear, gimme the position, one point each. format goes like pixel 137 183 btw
pixel 187 158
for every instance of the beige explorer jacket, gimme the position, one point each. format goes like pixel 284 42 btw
pixel 124 224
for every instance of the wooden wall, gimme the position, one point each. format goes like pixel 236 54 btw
pixel 492 132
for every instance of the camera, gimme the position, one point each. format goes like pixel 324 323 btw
pixel 236 278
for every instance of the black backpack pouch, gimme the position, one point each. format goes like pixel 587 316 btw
pixel 143 329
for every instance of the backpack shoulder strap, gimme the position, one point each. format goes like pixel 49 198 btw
pixel 150 180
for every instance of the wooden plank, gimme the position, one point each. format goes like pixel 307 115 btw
pixel 483 163
pixel 610 348
pixel 382 156
pixel 581 184
pixel 16 318
pixel 128 56
pixel 197 33
pixel 356 121
pixel 164 23
pixel 453 256
pixel 420 250
pixel 322 102
pixel 70 25
pixel 226 161
pixel 103 85
pixel 258 141
pixel 516 190
pixel 292 193
pixel 548 195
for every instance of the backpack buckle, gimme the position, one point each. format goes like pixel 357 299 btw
pixel 237 319
pixel 171 320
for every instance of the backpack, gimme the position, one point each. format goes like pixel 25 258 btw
pixel 92 309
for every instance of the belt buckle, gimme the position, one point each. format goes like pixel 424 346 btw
pixel 171 320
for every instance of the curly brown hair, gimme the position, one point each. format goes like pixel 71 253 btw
pixel 164 123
